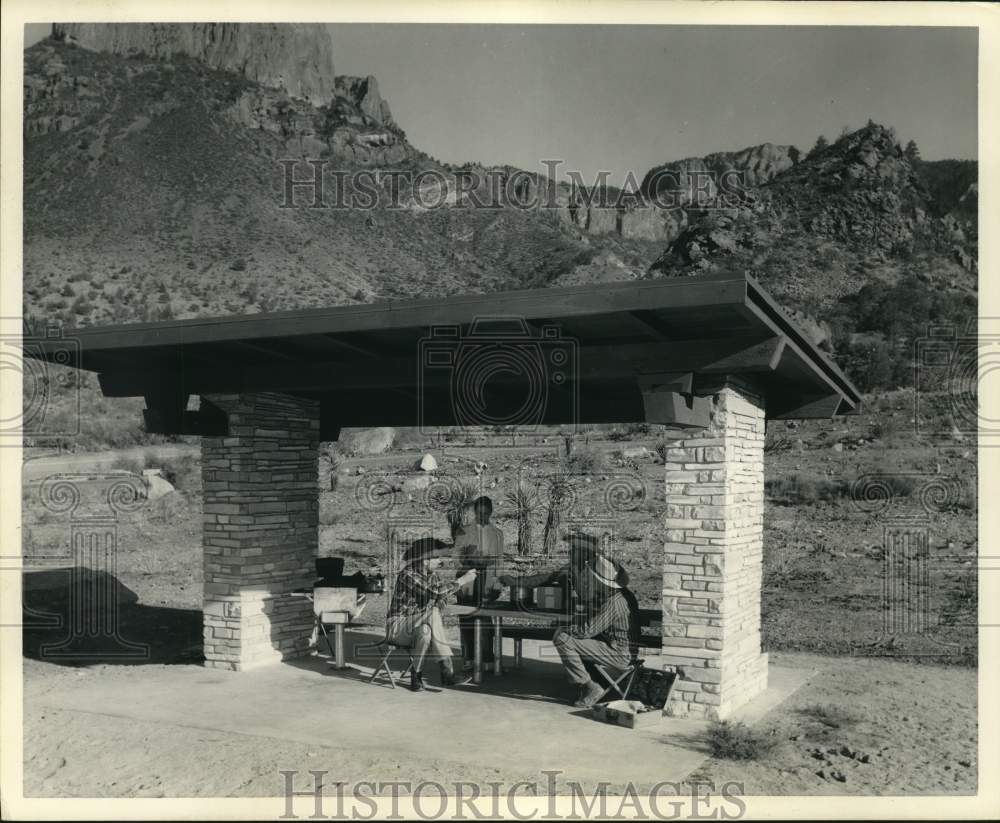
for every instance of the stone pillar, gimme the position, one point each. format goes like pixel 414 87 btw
pixel 260 529
pixel 713 558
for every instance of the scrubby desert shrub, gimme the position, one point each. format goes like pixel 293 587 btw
pixel 829 714
pixel 737 741
pixel 183 472
pixel 328 515
pixel 171 508
pixel 329 467
pixel 585 460
pixel 800 488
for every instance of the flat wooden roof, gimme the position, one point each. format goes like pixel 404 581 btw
pixel 579 352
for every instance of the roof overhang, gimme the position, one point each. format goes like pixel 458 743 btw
pixel 622 352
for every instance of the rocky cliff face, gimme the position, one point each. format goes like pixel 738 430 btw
pixel 682 181
pixel 362 93
pixel 814 230
pixel 294 57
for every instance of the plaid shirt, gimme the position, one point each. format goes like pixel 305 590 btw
pixel 417 591
pixel 612 623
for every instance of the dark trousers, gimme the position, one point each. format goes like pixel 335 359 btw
pixel 467 634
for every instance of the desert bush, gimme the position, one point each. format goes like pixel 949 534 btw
pixel 171 508
pixel 799 488
pixel 183 472
pixel 829 714
pixel 775 442
pixel 737 741
pixel 586 460
pixel 329 467
pixel 328 515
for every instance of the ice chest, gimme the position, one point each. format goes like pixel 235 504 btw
pixel 652 687
pixel 548 597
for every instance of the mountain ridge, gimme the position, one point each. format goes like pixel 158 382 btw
pixel 154 186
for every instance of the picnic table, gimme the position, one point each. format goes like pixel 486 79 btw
pixel 495 613
pixel 533 623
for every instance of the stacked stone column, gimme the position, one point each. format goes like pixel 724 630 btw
pixel 713 558
pixel 260 529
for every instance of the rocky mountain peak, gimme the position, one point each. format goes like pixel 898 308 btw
pixel 295 57
pixel 363 93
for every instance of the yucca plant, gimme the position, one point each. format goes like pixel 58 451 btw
pixel 524 500
pixel 458 505
pixel 558 488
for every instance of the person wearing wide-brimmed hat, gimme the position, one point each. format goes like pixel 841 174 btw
pixel 606 637
pixel 575 576
pixel 414 617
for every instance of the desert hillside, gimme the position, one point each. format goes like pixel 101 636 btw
pixel 154 189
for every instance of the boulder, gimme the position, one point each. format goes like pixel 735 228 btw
pixel 635 452
pixel 428 463
pixel 156 484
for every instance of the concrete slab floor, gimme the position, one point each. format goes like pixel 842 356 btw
pixel 520 720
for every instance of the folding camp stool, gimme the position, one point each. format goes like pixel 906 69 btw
pixel 386 649
pixel 614 683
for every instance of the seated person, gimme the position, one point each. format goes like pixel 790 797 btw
pixel 478 546
pixel 414 617
pixel 606 638
pixel 575 577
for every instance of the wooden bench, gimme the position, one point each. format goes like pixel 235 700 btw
pixel 520 632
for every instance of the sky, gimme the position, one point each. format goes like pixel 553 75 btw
pixel 626 98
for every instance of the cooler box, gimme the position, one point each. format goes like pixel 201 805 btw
pixel 549 597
